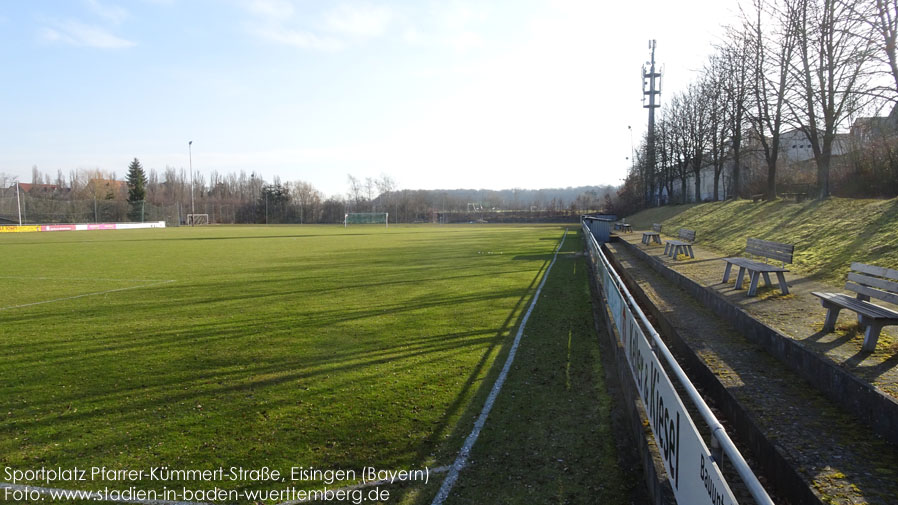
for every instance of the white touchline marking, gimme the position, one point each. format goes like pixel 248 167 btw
pixel 462 459
pixel 158 283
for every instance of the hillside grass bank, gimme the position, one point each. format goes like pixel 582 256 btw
pixel 828 235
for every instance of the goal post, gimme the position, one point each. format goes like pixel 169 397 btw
pixel 367 218
pixel 197 219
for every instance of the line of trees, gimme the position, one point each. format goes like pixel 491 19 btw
pixel 807 65
pixel 148 195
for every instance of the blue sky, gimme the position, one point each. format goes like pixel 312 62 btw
pixel 437 94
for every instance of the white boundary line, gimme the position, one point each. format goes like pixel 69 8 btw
pixel 462 459
pixel 158 283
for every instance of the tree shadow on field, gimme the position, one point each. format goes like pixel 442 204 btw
pixel 193 239
pixel 177 379
pixel 503 336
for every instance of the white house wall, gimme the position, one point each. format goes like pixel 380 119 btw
pixel 707 185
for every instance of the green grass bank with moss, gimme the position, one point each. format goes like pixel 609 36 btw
pixel 828 235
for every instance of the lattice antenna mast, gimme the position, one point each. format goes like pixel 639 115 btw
pixel 651 79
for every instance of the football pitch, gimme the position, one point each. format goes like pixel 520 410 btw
pixel 255 347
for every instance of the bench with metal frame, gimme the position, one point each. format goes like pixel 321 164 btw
pixel 624 227
pixel 684 245
pixel 768 250
pixel 868 281
pixel 652 236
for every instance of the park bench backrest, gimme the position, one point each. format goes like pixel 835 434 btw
pixel 656 228
pixel 874 282
pixel 687 235
pixel 773 250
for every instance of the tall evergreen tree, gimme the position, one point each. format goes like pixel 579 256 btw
pixel 137 190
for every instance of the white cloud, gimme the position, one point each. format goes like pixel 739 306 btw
pixel 465 40
pixel 455 25
pixel 358 20
pixel 112 13
pixel 272 9
pixel 280 21
pixel 296 38
pixel 412 36
pixel 76 33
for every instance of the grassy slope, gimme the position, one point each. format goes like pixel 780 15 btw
pixel 281 346
pixel 828 235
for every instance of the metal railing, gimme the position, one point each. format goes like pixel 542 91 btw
pixel 718 433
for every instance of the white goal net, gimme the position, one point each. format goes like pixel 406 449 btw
pixel 367 218
pixel 197 219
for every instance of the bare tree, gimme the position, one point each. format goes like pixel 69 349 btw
pixel 697 119
pixel 680 141
pixel 355 191
pixel 830 72
pixel 370 187
pixel 308 199
pixel 386 185
pixel 771 51
pixel 736 88
pixel 881 18
pixel 716 82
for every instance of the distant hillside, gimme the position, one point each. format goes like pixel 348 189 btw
pixel 828 235
pixel 557 198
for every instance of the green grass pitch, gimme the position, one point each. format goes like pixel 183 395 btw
pixel 312 346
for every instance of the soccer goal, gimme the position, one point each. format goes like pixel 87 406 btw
pixel 367 218
pixel 197 219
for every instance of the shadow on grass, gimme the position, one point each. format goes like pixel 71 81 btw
pixel 186 386
pixel 503 336
pixel 857 250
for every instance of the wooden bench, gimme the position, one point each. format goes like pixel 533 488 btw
pixel 767 249
pixel 652 236
pixel 867 281
pixel 799 192
pixel 755 198
pixel 799 197
pixel 624 227
pixel 684 245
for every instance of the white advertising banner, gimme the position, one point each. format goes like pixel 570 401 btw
pixel 694 476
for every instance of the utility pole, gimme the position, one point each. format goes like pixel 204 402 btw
pixel 654 89
pixel 192 181
pixel 18 202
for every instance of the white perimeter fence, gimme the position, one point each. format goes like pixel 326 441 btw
pixel 693 471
